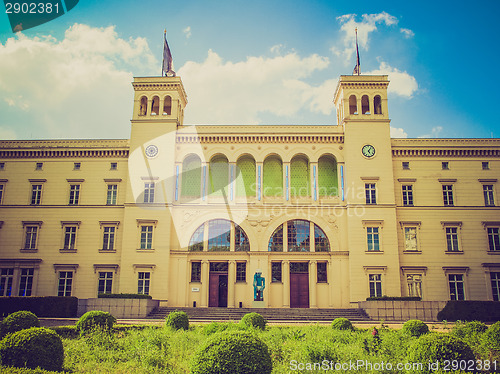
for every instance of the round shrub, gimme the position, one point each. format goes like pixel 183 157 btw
pixel 177 320
pixel 492 337
pixel 18 321
pixel 33 347
pixel 415 327
pixel 232 352
pixel 254 320
pixel 468 329
pixel 439 347
pixel 342 324
pixel 93 320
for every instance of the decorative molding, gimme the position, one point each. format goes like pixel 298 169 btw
pixel 260 139
pixel 146 222
pixel 112 180
pixel 144 266
pixel 451 224
pixel 408 269
pixel 32 223
pixel 407 180
pixel 75 180
pixel 71 223
pixel 37 180
pixel 410 223
pixel 487 224
pixel 459 269
pixel 65 266
pixel 370 178
pixel 491 180
pixel 373 222
pixel 447 180
pixel 109 223
pixel 106 266
pixel 375 268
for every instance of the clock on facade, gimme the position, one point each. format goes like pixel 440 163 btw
pixel 151 151
pixel 368 150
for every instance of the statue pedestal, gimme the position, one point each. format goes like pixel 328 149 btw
pixel 258 304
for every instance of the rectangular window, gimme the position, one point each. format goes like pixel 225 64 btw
pixel 1 193
pixel 108 241
pixel 70 237
pixel 486 165
pixel 406 165
pixel 456 282
pixel 411 239
pixel 445 165
pixel 375 285
pixel 39 166
pixel 143 282
pixel 495 285
pixel 407 195
pixel 322 272
pixel 77 166
pixel 414 284
pixel 488 195
pixel 114 165
pixel 146 237
pixel 112 194
pixel 2 165
pixel 452 239
pixel 241 272
pixel 105 282
pixel 276 271
pixel 6 280
pixel 36 194
pixel 31 237
pixel 149 192
pixel 447 194
pixel 26 282
pixel 65 283
pixel 195 271
pixel 370 193
pixel 74 194
pixel 493 239
pixel 372 237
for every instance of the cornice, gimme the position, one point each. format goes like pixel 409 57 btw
pixel 260 139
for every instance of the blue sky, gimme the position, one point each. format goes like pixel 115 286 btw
pixel 259 62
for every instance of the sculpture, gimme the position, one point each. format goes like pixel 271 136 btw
pixel 259 283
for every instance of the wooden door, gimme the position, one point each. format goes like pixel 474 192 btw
pixel 299 290
pixel 217 290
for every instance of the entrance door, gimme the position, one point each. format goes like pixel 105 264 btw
pixel 299 285
pixel 217 287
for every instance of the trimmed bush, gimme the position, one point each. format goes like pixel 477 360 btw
pixel 492 337
pixel 177 320
pixel 18 321
pixel 438 348
pixel 95 319
pixel 254 320
pixel 415 327
pixel 13 370
pixel 232 352
pixel 485 311
pixel 42 306
pixel 123 296
pixel 36 346
pixel 342 324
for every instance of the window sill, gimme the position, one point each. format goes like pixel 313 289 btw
pixel 107 250
pixel 25 250
pixel 374 251
pixel 454 252
pixel 145 250
pixel 494 252
pixel 62 250
pixel 412 252
pixel 241 282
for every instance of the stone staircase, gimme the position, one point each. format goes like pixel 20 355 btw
pixel 270 314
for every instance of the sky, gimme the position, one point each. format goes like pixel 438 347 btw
pixel 253 62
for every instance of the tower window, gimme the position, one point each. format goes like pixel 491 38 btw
pixel 167 106
pixel 353 105
pixel 365 105
pixel 144 106
pixel 377 104
pixel 155 106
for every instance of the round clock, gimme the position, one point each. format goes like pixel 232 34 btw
pixel 151 151
pixel 368 150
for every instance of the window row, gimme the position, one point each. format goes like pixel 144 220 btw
pixel 152 107
pixel 76 166
pixel 366 108
pixel 445 165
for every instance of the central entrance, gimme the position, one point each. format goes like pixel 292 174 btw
pixel 299 285
pixel 217 284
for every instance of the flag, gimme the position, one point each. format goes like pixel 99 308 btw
pixel 357 69
pixel 168 64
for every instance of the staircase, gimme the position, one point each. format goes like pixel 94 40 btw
pixel 270 314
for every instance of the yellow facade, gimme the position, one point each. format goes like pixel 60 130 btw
pixel 330 215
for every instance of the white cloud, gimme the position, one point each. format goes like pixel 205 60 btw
pixel 7 134
pixel 434 132
pixel 187 32
pixel 401 83
pixel 76 87
pixel 397 132
pixel 236 92
pixel 407 33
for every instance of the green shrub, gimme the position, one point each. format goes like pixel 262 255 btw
pixel 13 370
pixel 42 306
pixel 342 324
pixel 319 352
pixel 485 311
pixel 36 346
pixel 466 329
pixel 215 327
pixel 95 319
pixel 492 337
pixel 123 296
pixel 18 321
pixel 177 320
pixel 254 320
pixel 415 327
pixel 233 352
pixel 438 348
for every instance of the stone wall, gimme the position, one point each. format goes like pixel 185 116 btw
pixel 119 308
pixel 402 310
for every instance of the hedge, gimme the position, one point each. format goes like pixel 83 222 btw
pixel 394 298
pixel 485 311
pixel 123 296
pixel 42 306
pixel 18 321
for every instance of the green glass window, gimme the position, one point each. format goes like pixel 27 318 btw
pixel 196 241
pixel 219 235
pixel 327 176
pixel 299 177
pixel 219 175
pixel 245 169
pixel 241 243
pixel 276 241
pixel 191 177
pixel 273 176
pixel 321 243
pixel 299 233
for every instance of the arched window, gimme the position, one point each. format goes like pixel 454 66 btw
pixel 245 170
pixel 196 241
pixel 167 106
pixel 143 106
pixel 321 243
pixel 353 105
pixel 365 104
pixel 191 177
pixel 299 235
pixel 276 241
pixel 241 243
pixel 273 176
pixel 219 174
pixel 219 235
pixel 299 177
pixel 377 104
pixel 155 106
pixel 327 176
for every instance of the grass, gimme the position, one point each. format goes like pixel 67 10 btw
pixel 156 349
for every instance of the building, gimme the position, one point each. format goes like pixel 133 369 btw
pixel 330 215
